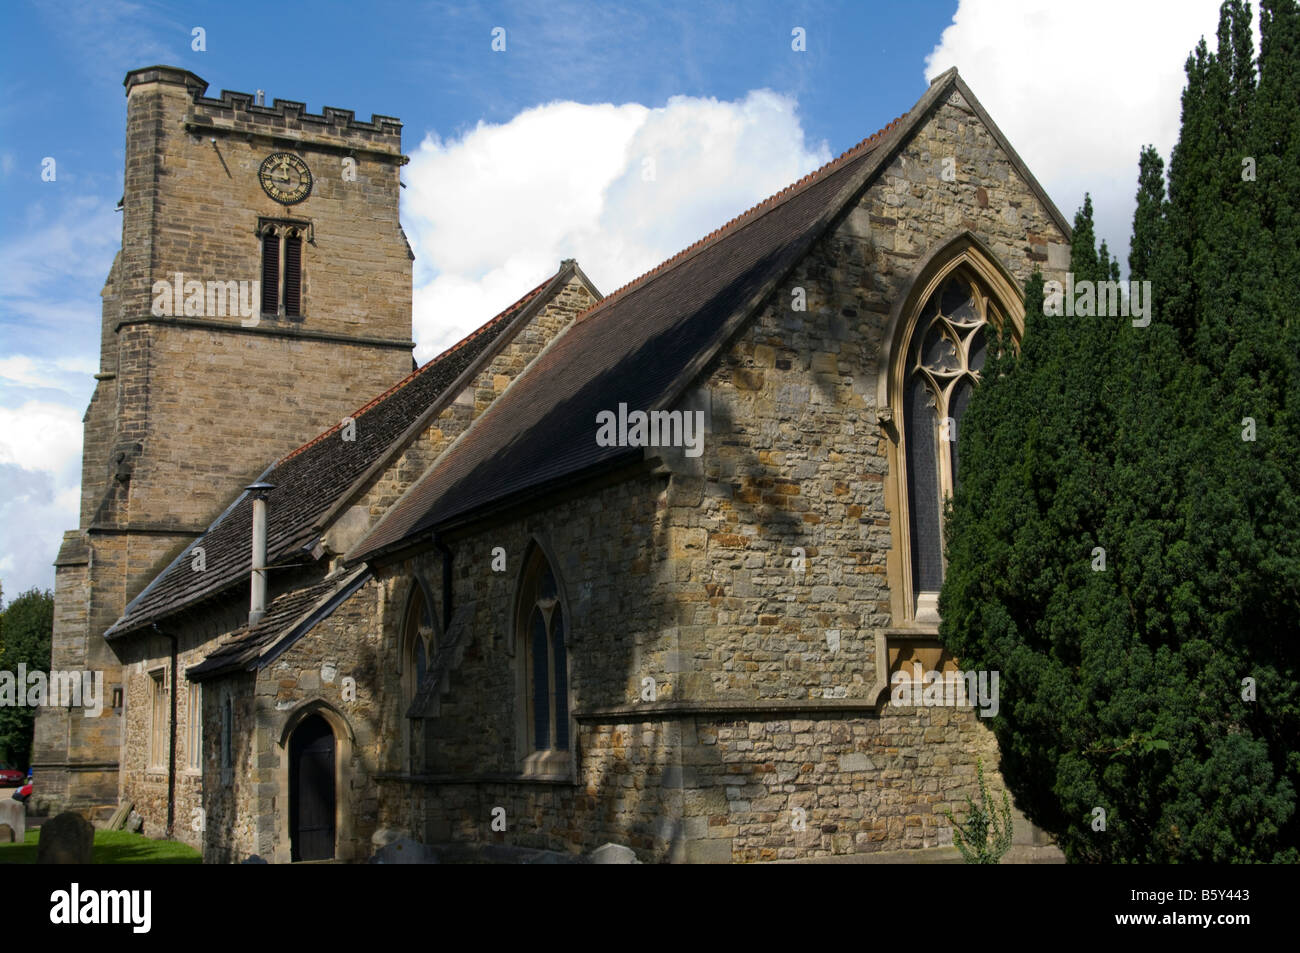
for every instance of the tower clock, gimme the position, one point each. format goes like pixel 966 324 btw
pixel 285 177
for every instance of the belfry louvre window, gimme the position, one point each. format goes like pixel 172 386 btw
pixel 949 343
pixel 282 267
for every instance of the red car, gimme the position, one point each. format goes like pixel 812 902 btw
pixel 23 793
pixel 11 776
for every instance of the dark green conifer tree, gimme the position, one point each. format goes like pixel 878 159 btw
pixel 1162 689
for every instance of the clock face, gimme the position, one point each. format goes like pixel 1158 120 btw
pixel 285 177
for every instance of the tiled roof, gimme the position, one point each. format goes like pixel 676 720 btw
pixel 285 614
pixel 314 478
pixel 640 345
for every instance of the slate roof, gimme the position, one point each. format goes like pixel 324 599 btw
pixel 321 474
pixel 641 345
pixel 287 618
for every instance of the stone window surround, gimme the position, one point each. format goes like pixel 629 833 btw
pixel 194 730
pixel 962 251
pixel 156 760
pixel 344 807
pixel 303 229
pixel 551 764
pixel 418 622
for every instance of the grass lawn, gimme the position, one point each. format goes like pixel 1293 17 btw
pixel 111 847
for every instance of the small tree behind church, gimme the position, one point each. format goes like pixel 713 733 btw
pixel 1122 544
pixel 26 628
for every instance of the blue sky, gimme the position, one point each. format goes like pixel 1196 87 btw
pixel 582 87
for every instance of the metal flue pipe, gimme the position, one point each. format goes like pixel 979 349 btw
pixel 257 593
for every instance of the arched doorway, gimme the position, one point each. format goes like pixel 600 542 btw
pixel 311 790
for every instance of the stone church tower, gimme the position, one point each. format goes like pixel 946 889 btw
pixel 262 292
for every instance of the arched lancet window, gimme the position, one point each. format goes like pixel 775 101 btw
pixel 417 648
pixel 542 639
pixel 949 341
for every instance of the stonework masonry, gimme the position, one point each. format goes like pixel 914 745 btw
pixel 763 740
pixel 188 408
pixel 346 643
pixel 732 620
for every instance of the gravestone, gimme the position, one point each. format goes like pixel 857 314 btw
pixel 14 813
pixel 404 851
pixel 6 834
pixel 66 839
pixel 613 854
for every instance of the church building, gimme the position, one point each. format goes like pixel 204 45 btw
pixel 644 568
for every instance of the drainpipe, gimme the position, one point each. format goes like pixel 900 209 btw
pixel 171 734
pixel 257 593
pixel 445 553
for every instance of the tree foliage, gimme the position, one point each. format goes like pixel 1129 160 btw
pixel 1163 688
pixel 26 628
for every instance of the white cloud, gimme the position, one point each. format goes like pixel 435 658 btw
pixel 49 343
pixel 40 469
pixel 620 188
pixel 1079 89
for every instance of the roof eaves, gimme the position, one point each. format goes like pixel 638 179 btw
pixel 303 624
pixel 355 554
pixel 629 460
pixel 884 143
pixel 321 611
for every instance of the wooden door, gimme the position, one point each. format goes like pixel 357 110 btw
pixel 311 794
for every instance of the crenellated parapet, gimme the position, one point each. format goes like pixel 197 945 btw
pixel 285 121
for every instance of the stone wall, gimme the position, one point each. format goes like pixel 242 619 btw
pixel 722 579
pixel 188 408
pixel 247 806
pixel 247 813
pixel 143 781
pixel 688 575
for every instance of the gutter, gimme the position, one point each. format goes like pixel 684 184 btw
pixel 171 731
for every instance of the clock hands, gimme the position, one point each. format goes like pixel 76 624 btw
pixel 286 178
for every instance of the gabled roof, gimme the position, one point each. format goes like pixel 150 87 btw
pixel 288 618
pixel 315 480
pixel 643 344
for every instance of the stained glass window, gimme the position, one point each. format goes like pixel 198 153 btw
pixel 948 347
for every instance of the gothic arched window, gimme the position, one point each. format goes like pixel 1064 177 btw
pixel 542 640
pixel 417 648
pixel 946 350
